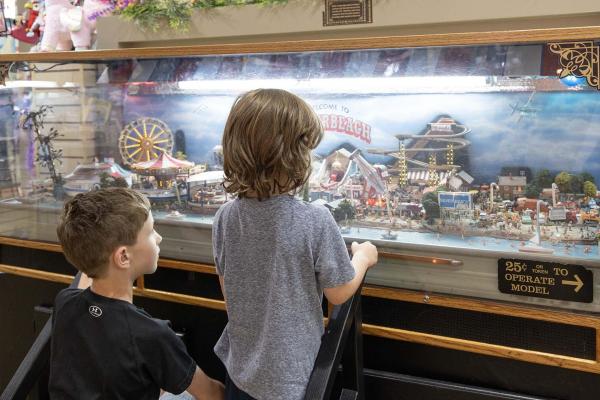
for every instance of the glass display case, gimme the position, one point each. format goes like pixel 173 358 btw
pixel 474 168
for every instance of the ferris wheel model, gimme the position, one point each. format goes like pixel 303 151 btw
pixel 145 139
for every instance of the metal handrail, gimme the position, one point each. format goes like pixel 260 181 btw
pixel 341 344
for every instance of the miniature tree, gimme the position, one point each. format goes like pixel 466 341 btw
pixel 589 189
pixel 532 191
pixel 431 205
pixel 563 180
pixel 586 176
pixel 576 184
pixel 106 180
pixel 543 179
pixel 47 156
pixel 344 211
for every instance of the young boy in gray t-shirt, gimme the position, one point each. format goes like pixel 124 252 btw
pixel 276 255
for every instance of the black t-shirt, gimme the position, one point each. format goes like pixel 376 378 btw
pixel 105 348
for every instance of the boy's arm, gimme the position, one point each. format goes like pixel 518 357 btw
pixel 364 257
pixel 203 387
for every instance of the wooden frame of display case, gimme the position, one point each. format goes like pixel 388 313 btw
pixel 412 296
pixel 455 302
pixel 450 39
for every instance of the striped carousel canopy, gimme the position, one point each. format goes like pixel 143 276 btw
pixel 164 164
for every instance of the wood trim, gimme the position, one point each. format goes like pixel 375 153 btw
pixel 490 307
pixel 421 259
pixel 31 244
pixel 140 283
pixel 210 269
pixel 187 266
pixel 162 262
pixel 598 345
pixel 137 291
pixel 36 274
pixel 398 334
pixel 483 348
pixel 181 298
pixel 447 39
pixel 378 292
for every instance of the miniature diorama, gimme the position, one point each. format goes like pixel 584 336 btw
pixel 479 161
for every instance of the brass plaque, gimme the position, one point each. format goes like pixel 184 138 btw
pixel 347 12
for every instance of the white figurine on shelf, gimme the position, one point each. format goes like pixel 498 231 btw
pixel 69 24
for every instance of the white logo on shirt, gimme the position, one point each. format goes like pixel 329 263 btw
pixel 95 311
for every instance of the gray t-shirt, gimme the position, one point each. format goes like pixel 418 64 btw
pixel 275 256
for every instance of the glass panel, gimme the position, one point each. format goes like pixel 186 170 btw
pixel 451 151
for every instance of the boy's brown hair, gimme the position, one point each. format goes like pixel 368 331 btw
pixel 95 223
pixel 267 143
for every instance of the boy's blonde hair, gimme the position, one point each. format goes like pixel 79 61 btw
pixel 95 223
pixel 267 143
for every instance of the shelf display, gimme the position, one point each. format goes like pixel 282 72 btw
pixel 471 154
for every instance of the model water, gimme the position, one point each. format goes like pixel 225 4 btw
pixel 406 237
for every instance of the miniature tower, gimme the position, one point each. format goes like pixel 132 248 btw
pixel 402 168
pixel 433 179
pixel 450 154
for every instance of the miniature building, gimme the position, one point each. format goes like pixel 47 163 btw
pixel 345 174
pixel 460 181
pixel 512 186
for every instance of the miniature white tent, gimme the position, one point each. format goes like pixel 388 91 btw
pixel 350 163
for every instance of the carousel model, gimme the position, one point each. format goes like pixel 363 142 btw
pixel 165 169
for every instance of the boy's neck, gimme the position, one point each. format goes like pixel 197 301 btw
pixel 120 289
pixel 254 195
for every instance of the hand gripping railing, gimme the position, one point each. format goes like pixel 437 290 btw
pixel 34 363
pixel 342 341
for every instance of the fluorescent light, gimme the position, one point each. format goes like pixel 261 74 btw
pixel 36 85
pixel 29 84
pixel 360 85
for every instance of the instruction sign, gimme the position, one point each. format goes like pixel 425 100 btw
pixel 545 279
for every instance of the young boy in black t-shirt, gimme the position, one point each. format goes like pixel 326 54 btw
pixel 103 347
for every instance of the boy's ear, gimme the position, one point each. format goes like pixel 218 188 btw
pixel 121 257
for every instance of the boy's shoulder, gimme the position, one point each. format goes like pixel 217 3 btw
pixel 317 211
pixel 223 209
pixel 150 327
pixel 84 302
pixel 67 295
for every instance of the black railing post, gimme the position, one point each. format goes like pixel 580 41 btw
pixel 352 359
pixel 348 395
pixel 343 336
pixel 34 363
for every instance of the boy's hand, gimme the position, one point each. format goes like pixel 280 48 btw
pixel 364 256
pixel 205 388
pixel 366 252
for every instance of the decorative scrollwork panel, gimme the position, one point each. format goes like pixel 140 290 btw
pixel 580 59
